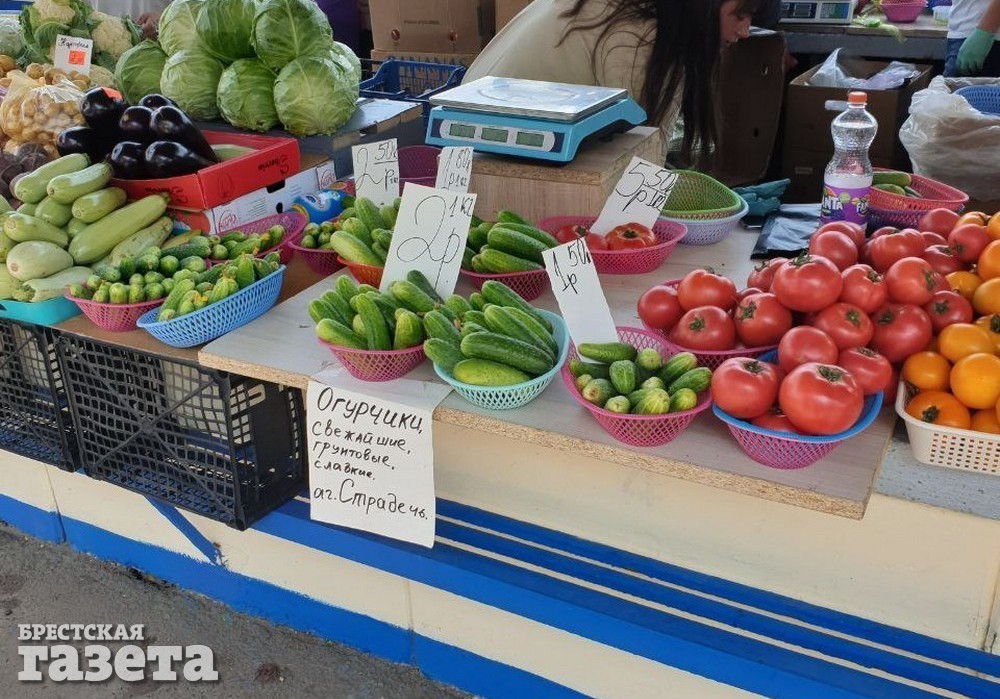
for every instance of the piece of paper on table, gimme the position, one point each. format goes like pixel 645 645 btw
pixel 454 168
pixel 638 197
pixel 579 294
pixel 376 171
pixel 72 53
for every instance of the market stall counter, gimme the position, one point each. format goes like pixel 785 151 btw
pixel 923 40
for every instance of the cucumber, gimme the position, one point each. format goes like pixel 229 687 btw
pixel 21 228
pixel 477 317
pixel 387 307
pixel 582 381
pixel 469 328
pixel 618 404
pixel 499 262
pixel 352 249
pixel 417 278
pixel 357 229
pixel 318 309
pixel 388 214
pixel 458 304
pixel 598 391
pixel 900 179
pixel 654 402
pixel 467 256
pixel 409 330
pixel 67 188
pixel 677 366
pixel 697 380
pixel 335 333
pixel 500 348
pixel 346 287
pixel 684 399
pixel 598 371
pixel 502 320
pixel 536 234
pixel 343 310
pixel 195 247
pixel 516 244
pixel 141 243
pixel 443 353
pixel 358 326
pixel 537 329
pixel 437 325
pixel 607 352
pixel 505 216
pixel 173 300
pixel 168 265
pixel 478 236
pixel 649 360
pixel 653 382
pixel 622 375
pixel 478 301
pixel 502 295
pixel 100 238
pixel 412 296
pixel 483 372
pixel 52 212
pixel 376 329
pixel 368 214
pixel 37 259
pixel 31 188
pixel 381 237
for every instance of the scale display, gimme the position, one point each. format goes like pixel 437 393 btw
pixel 819 11
pixel 528 118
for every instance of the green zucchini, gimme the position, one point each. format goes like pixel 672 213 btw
pixel 52 286
pixel 53 213
pixel 21 228
pixel 100 238
pixel 67 188
pixel 74 226
pixel 36 259
pixel 31 188
pixel 138 243
pixel 96 205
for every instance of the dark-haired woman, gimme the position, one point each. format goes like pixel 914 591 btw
pixel 664 52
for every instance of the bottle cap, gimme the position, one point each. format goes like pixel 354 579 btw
pixel 857 98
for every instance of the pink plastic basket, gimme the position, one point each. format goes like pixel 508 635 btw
pixel 375 365
pixel 637 261
pixel 903 12
pixel 637 430
pixel 114 317
pixel 530 285
pixel 933 195
pixel 324 262
pixel 293 223
pixel 365 274
pixel 418 164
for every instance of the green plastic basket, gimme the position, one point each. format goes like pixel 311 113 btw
pixel 698 197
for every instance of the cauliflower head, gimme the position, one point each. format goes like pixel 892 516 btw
pixel 101 76
pixel 52 11
pixel 11 39
pixel 112 35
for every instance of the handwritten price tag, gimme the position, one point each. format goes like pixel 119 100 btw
pixel 72 53
pixel 430 234
pixel 376 171
pixel 579 294
pixel 454 168
pixel 638 197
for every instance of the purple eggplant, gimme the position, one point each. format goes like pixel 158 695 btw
pixel 172 159
pixel 155 101
pixel 171 124
pixel 134 125
pixel 127 160
pixel 101 109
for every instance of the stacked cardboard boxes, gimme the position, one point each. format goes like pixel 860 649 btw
pixel 434 31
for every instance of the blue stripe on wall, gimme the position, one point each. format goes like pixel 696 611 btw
pixel 34 521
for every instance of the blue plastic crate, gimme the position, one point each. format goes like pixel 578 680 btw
pixel 411 81
pixel 48 312
pixel 985 98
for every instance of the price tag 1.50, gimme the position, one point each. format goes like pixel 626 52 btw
pixel 376 171
pixel 638 197
pixel 72 53
pixel 454 168
pixel 579 294
pixel 430 234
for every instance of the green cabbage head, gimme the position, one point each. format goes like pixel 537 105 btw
pixel 138 71
pixel 246 95
pixel 191 78
pixel 225 27
pixel 176 29
pixel 284 30
pixel 315 95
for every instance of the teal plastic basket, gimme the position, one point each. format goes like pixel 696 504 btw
pixel 510 397
pixel 698 197
pixel 219 318
pixel 42 313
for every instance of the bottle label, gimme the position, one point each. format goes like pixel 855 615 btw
pixel 844 204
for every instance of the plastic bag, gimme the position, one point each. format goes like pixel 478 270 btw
pixel 831 74
pixel 34 112
pixel 950 141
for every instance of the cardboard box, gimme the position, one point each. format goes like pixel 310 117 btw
pixel 432 26
pixel 506 10
pixel 448 59
pixel 266 201
pixel 805 169
pixel 273 160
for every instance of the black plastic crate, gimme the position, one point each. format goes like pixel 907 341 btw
pixel 409 81
pixel 223 446
pixel 34 414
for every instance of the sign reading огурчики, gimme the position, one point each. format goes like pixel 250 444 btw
pixel 46 653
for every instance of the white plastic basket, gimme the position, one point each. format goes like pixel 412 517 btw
pixel 950 447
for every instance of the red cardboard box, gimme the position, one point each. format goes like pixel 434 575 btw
pixel 272 161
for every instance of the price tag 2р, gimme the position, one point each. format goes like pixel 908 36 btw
pixel 454 168
pixel 430 234
pixel 376 171
pixel 579 294
pixel 638 197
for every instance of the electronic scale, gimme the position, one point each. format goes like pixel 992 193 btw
pixel 818 11
pixel 529 118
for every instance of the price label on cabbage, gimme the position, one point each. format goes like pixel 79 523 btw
pixel 376 171
pixel 579 294
pixel 431 229
pixel 638 197
pixel 73 53
pixel 454 168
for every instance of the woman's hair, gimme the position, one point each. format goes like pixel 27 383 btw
pixel 684 56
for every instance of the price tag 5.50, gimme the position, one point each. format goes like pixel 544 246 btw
pixel 376 171
pixel 454 168
pixel 579 294
pixel 638 197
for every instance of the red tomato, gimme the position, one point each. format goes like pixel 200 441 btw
pixel 745 388
pixel 702 287
pixel 889 397
pixel 939 221
pixel 761 320
pixel 836 247
pixel 888 248
pixel 763 273
pixel 884 230
pixel 933 239
pixel 900 330
pixel 947 308
pixel 967 241
pixel 864 288
pixel 774 420
pixel 871 370
pixel 852 230
pixel 659 308
pixel 942 260
pixel 749 291
pixel 807 283
pixel 806 344
pixel 705 328
pixel 848 326
pixel 596 242
pixel 912 280
pixel 571 232
pixel 629 236
pixel 821 398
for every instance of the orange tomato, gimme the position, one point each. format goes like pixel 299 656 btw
pixel 991 324
pixel 975 380
pixel 985 421
pixel 939 408
pixel 993 227
pixel 928 371
pixel 962 339
pixel 976 217
pixel 988 265
pixel 986 300
pixel 965 283
pixel 998 410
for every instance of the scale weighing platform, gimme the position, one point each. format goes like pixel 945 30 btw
pixel 818 11
pixel 529 118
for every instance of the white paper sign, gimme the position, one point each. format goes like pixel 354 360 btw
pixel 371 455
pixel 579 294
pixel 73 53
pixel 376 171
pixel 638 197
pixel 430 234
pixel 454 168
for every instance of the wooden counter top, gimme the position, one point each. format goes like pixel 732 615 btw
pixel 280 347
pixel 923 28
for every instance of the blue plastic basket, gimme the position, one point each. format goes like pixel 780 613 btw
pixel 509 397
pixel 216 319
pixel 42 313
pixel 985 98
pixel 411 81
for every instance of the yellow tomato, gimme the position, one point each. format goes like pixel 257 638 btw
pixel 985 421
pixel 928 371
pixel 993 227
pixel 986 300
pixel 976 217
pixel 962 339
pixel 991 324
pixel 975 380
pixel 939 408
pixel 965 283
pixel 988 264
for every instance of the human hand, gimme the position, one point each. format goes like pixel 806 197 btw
pixel 147 22
pixel 974 51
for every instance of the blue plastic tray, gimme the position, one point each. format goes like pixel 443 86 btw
pixel 42 313
pixel 985 98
